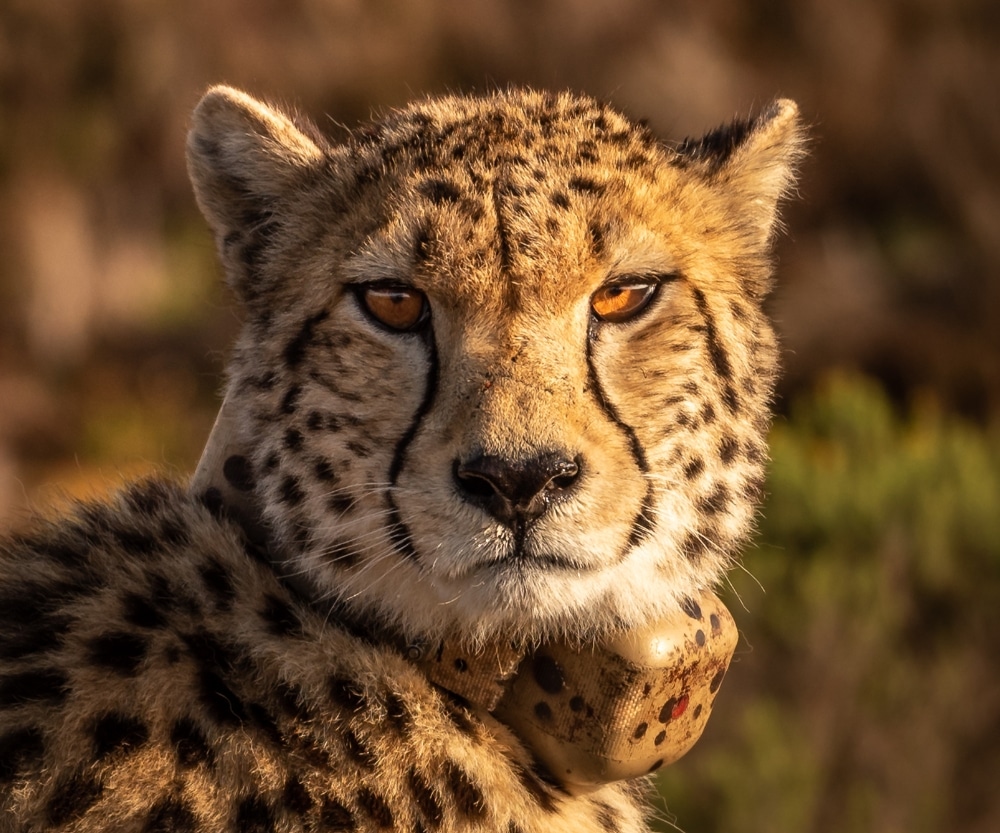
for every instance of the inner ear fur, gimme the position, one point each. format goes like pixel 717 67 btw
pixel 753 163
pixel 244 158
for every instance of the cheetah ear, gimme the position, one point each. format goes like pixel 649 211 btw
pixel 244 158
pixel 754 162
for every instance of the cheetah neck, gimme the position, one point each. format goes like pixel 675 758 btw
pixel 591 715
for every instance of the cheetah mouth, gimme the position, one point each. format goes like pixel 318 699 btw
pixel 520 561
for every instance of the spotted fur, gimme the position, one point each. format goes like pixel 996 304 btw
pixel 512 466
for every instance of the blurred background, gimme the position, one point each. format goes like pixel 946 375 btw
pixel 866 691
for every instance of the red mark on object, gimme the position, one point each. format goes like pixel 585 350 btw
pixel 680 708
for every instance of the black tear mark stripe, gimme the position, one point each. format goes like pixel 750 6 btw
pixel 399 533
pixel 717 352
pixel 642 523
pixel 295 350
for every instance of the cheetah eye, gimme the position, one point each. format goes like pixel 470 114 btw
pixel 394 306
pixel 623 301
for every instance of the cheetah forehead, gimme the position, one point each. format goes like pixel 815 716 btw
pixel 522 183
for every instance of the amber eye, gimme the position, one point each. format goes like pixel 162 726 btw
pixel 622 301
pixel 401 308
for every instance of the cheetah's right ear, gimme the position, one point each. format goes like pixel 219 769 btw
pixel 753 164
pixel 244 159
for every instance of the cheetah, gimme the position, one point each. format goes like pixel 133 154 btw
pixel 493 429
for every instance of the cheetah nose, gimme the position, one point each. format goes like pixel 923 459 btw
pixel 515 491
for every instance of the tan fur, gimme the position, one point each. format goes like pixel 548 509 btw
pixel 171 681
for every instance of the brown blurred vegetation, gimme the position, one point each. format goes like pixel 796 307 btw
pixel 114 329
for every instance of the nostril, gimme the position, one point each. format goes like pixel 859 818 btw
pixel 565 478
pixel 473 483
pixel 515 490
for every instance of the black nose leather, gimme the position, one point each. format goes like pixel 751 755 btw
pixel 515 491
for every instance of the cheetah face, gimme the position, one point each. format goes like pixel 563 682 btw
pixel 504 368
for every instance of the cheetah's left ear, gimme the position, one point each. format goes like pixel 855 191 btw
pixel 244 159
pixel 754 162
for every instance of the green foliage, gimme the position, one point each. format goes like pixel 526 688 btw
pixel 869 699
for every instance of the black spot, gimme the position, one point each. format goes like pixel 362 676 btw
pixel 699 638
pixel 135 542
pixel 730 399
pixel 543 711
pixel 335 816
pixel 597 238
pixel 142 613
pixel 72 798
pixel 238 473
pixel 174 534
pixel 397 714
pixel 254 815
pixel 223 706
pixel 219 583
pixel 577 703
pixel 211 499
pixel 190 743
pixel 18 749
pixel 713 620
pixel 293 440
pixel 358 752
pixel 461 717
pixel 118 651
pixel 345 694
pixel 697 711
pixel 655 766
pixel 560 200
pixel 170 815
pixel 461 665
pixel 717 680
pixel 692 608
pixel 728 449
pixel 291 492
pixel 116 732
pixel 468 797
pixel 295 797
pixel 666 713
pixel 149 497
pixel 324 471
pixel 662 736
pixel 640 731
pixel 440 191
pixel 694 468
pixel 29 686
pixel 340 502
pixel 583 184
pixel 295 350
pixel 375 807
pixel 290 401
pixel 425 799
pixel 715 502
pixel 281 619
pixel 423 244
pixel 548 674
pixel 264 721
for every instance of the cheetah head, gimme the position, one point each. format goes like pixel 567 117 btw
pixel 504 369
